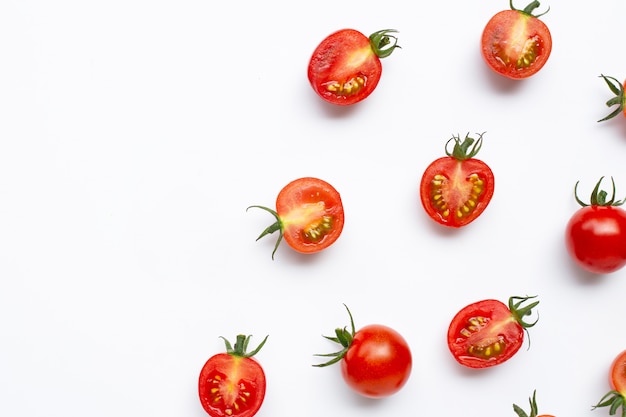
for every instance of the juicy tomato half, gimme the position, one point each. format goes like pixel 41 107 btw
pixel 376 361
pixel 488 332
pixel 232 384
pixel 309 215
pixel 618 99
pixel 533 408
pixel 515 43
pixel 345 67
pixel 595 235
pixel 456 189
pixel 616 398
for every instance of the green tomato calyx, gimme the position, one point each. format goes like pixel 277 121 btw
pixel 241 346
pixel 533 407
pixel 466 149
pixel 344 337
pixel 276 226
pixel 383 44
pixel 614 400
pixel 619 98
pixel 599 197
pixel 519 311
pixel 528 10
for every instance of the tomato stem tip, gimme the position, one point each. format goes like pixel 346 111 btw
pixel 344 337
pixel 529 9
pixel 599 196
pixel 533 407
pixel 466 149
pixel 276 226
pixel 241 346
pixel 619 98
pixel 383 44
pixel 614 400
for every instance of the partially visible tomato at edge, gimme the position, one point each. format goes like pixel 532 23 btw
pixel 595 235
pixel 345 67
pixel 616 398
pixel 309 215
pixel 232 384
pixel 515 43
pixel 618 99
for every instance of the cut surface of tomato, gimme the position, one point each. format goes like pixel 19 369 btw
pixel 345 67
pixel 515 43
pixel 456 189
pixel 309 215
pixel 488 332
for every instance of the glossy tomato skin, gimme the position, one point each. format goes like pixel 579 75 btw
pixel 516 44
pixel 378 362
pixel 484 334
pixel 455 192
pixel 595 238
pixel 311 213
pixel 231 386
pixel 344 69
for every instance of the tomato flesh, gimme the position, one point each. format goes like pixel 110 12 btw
pixel 596 238
pixel 344 69
pixel 516 44
pixel 484 334
pixel 618 374
pixel 378 362
pixel 231 386
pixel 455 192
pixel 312 214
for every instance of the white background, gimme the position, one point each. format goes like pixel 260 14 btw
pixel 134 134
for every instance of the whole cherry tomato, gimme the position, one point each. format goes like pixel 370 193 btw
pixel 456 189
pixel 616 398
pixel 515 43
pixel 345 67
pixel 619 98
pixel 488 332
pixel 595 235
pixel 309 215
pixel 375 361
pixel 533 408
pixel 232 384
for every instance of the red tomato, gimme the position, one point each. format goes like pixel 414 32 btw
pixel 488 332
pixel 515 43
pixel 619 98
pixel 456 189
pixel 309 215
pixel 345 67
pixel 533 408
pixel 375 361
pixel 616 398
pixel 232 384
pixel 595 235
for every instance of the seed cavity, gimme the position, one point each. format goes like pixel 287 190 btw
pixel 440 195
pixel 315 231
pixel 347 88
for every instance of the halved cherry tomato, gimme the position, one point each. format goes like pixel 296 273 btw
pixel 515 43
pixel 533 408
pixel 619 98
pixel 595 235
pixel 456 189
pixel 309 215
pixel 345 67
pixel 232 384
pixel 376 361
pixel 488 332
pixel 616 398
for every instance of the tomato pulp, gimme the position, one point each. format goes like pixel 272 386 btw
pixel 515 43
pixel 457 188
pixel 488 332
pixel 309 215
pixel 345 67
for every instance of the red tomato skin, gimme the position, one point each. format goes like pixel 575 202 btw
pixel 618 374
pixel 595 238
pixel 378 362
pixel 301 205
pixel 344 58
pixel 238 375
pixel 459 176
pixel 500 326
pixel 507 35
